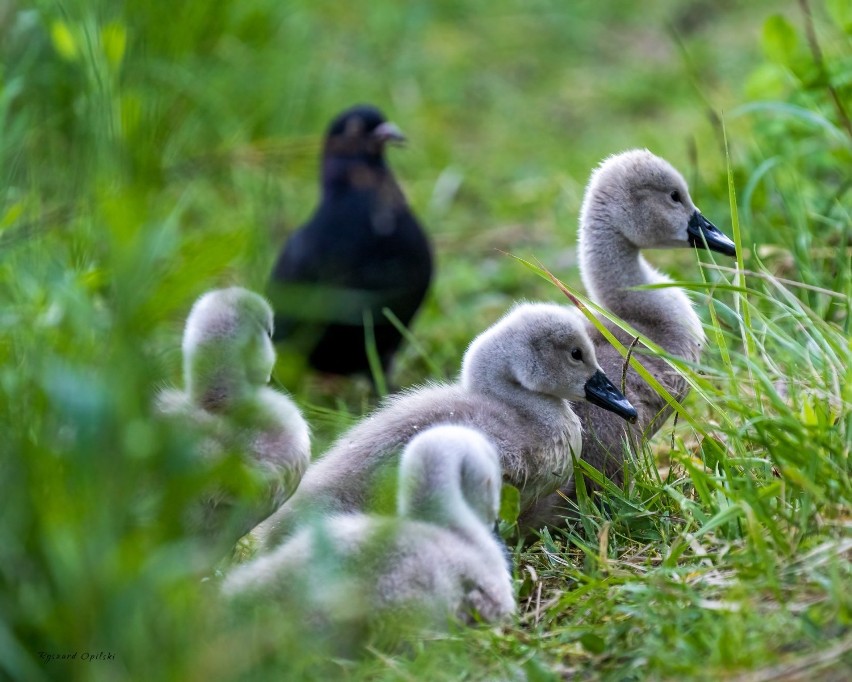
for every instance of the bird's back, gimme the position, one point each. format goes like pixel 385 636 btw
pixel 354 567
pixel 534 458
pixel 361 252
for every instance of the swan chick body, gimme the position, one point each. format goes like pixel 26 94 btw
pixel 634 200
pixel 227 363
pixel 436 560
pixel 516 380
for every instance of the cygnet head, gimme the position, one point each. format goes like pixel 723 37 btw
pixel 544 349
pixel 227 346
pixel 442 462
pixel 645 199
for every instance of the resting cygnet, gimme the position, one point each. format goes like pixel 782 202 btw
pixel 436 560
pixel 516 380
pixel 634 201
pixel 227 362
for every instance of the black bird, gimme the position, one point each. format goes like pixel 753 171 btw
pixel 362 251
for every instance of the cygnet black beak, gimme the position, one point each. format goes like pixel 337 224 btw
pixel 602 392
pixel 389 132
pixel 704 234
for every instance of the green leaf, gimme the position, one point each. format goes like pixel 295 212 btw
pixel 510 503
pixel 840 12
pixel 537 672
pixel 721 517
pixel 714 452
pixel 114 40
pixel 63 41
pixel 593 643
pixel 767 82
pixel 779 39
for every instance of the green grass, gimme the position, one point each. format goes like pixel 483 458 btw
pixel 149 152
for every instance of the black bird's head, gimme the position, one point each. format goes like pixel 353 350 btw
pixel 361 132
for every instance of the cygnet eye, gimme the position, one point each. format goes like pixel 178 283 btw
pixel 675 197
pixel 577 354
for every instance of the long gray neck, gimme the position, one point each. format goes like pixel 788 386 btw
pixel 610 265
pixel 433 493
pixel 216 388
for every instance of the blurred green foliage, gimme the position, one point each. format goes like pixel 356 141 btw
pixel 150 151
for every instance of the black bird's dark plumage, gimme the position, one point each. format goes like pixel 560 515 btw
pixel 362 251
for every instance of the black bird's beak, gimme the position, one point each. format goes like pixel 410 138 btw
pixel 602 392
pixel 704 234
pixel 389 132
